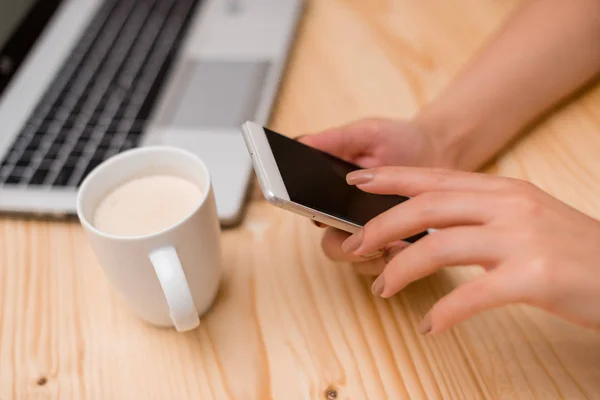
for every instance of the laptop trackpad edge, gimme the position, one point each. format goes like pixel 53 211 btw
pixel 213 94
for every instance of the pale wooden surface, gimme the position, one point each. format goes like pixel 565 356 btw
pixel 289 324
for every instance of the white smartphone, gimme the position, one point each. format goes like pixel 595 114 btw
pixel 311 183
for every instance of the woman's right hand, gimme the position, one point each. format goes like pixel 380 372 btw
pixel 371 143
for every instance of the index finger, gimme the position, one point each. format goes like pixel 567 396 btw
pixel 412 181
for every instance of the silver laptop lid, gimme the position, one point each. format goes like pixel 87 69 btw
pixel 21 23
pixel 87 87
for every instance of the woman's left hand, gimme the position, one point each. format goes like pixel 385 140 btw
pixel 535 248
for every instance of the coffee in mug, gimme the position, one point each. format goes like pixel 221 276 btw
pixel 151 219
pixel 146 205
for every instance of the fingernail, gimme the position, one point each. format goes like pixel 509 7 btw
pixel 377 287
pixel 352 244
pixel 425 325
pixel 359 177
pixel 370 256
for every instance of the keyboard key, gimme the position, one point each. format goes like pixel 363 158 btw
pixel 63 176
pixel 40 174
pixel 15 176
pixel 93 164
pixel 99 103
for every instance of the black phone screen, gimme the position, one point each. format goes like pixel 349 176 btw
pixel 318 180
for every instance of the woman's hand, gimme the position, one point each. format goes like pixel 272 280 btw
pixel 535 249
pixel 382 142
pixel 373 143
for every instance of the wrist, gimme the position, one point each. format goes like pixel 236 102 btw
pixel 451 138
pixel 462 140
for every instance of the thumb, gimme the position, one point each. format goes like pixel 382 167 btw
pixel 349 141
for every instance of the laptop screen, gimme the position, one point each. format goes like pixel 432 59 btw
pixel 21 23
pixel 11 14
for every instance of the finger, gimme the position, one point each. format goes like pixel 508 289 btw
pixel 318 224
pixel 332 247
pixel 445 248
pixel 494 289
pixel 392 249
pixel 348 142
pixel 431 210
pixel 376 266
pixel 369 267
pixel 411 181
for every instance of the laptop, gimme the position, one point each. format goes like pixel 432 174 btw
pixel 83 80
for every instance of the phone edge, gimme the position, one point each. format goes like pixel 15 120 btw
pixel 266 185
pixel 248 129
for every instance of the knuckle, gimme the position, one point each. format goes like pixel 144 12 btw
pixel 526 188
pixel 508 185
pixel 524 185
pixel 478 289
pixel 543 273
pixel 525 204
pixel 429 197
pixel 427 205
pixel 437 246
pixel 369 125
pixel 374 124
pixel 515 183
pixel 440 178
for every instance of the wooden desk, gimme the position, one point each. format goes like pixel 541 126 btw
pixel 289 324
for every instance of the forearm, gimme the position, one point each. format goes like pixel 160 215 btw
pixel 547 50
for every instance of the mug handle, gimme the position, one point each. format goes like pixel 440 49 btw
pixel 175 287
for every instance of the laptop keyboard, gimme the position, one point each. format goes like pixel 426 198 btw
pixel 100 101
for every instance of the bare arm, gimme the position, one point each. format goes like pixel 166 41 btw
pixel 547 50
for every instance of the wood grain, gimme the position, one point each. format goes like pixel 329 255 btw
pixel 288 323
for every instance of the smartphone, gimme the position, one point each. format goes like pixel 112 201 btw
pixel 312 183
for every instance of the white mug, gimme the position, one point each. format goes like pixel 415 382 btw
pixel 171 277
